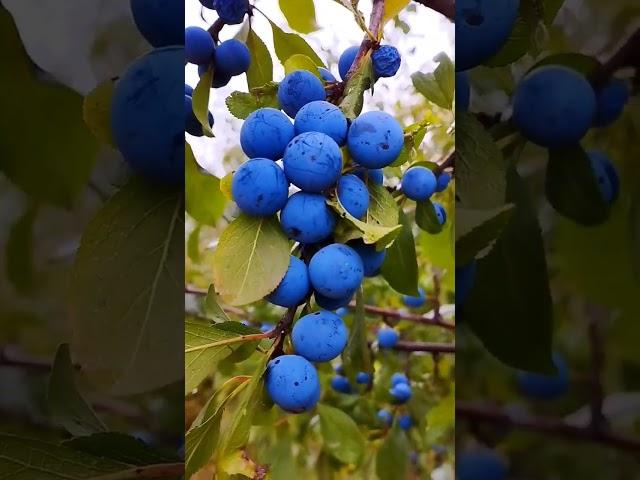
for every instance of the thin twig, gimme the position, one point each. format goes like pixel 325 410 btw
pixel 495 415
pixel 628 55
pixel 444 7
pixel 375 28
pixel 430 347
pixel 281 329
pixel 449 162
pixel 411 317
pixel 598 420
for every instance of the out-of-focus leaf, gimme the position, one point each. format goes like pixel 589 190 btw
pixel 341 437
pixel 301 14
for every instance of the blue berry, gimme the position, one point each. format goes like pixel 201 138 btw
pixel 441 213
pixel 415 302
pixel 346 60
pixel 342 311
pixel 324 117
pixel 401 392
pixel 146 119
pixel 232 58
pixel 363 378
pixel 418 183
pixel 294 287
pixel 545 387
pixel 606 176
pixel 375 175
pixel 220 78
pixel 388 337
pixel 231 12
pixel 554 106
pixel 192 124
pixel 341 384
pixel 480 464
pixel 198 46
pixel 326 75
pixel 160 22
pixel 397 378
pixel 260 188
pixel 312 161
pixel 336 271
pixel 372 259
pixel 292 383
pixel 266 133
pixel 375 139
pixel 611 102
pixel 442 182
pixel 482 28
pixel 405 422
pixel 339 369
pixel 306 218
pixel 266 327
pixel 386 61
pixel 385 417
pixel 188 90
pixel 299 88
pixel 208 4
pixel 319 336
pixel 463 91
pixel 465 278
pixel 353 195
pixel 332 303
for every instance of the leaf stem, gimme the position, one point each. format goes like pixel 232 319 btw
pixel 229 341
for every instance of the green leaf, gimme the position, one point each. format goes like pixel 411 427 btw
pixel 400 267
pixel 288 44
pixel 529 31
pixel 356 356
pixel 251 258
pixel 206 344
pixel 242 104
pixel 35 459
pixel 193 244
pixel 201 101
pixel 383 209
pixel 437 87
pixel 122 448
pixel 301 62
pixel 413 137
pixel 477 230
pixel 510 308
pixel 580 62
pixel 572 188
pixel 341 437
pixel 393 8
pixel 56 167
pixel 237 418
pixel 392 461
pixel 203 199
pixel 19 248
pixel 126 290
pixel 67 406
pixel 426 217
pixel 261 69
pixel 301 15
pixel 371 233
pixel 634 222
pixel 96 111
pixel 202 438
pixel 212 306
pixel 480 166
pixel 358 83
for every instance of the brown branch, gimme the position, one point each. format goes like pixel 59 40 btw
pixel 430 347
pixel 495 415
pixel 411 317
pixel 449 162
pixel 444 7
pixel 215 29
pixel 375 27
pixel 598 420
pixel 628 55
pixel 281 330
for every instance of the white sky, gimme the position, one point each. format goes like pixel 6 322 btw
pixel 430 34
